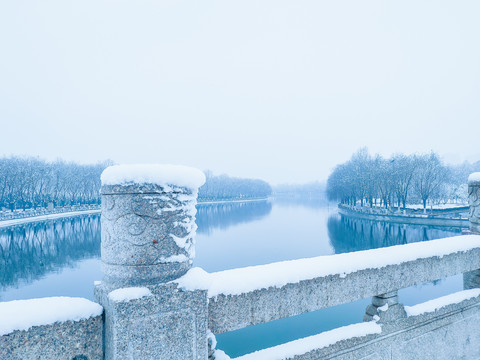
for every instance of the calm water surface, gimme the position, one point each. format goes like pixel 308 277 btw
pixel 63 258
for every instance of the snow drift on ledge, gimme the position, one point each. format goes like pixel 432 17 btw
pixel 242 280
pixel 438 303
pixel 129 293
pixel 310 343
pixel 474 178
pixel 23 314
pixel 159 174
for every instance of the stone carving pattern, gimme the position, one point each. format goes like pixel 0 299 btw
pixel 137 229
pixel 474 202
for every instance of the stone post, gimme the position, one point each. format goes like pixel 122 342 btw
pixel 474 202
pixel 471 279
pixel 384 308
pixel 148 230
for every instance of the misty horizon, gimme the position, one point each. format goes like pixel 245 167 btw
pixel 274 90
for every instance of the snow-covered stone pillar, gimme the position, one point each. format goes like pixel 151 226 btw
pixel 148 222
pixel 471 279
pixel 148 239
pixel 474 201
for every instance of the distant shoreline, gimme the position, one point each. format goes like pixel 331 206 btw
pixel 39 218
pixel 231 201
pixel 405 219
pixel 30 219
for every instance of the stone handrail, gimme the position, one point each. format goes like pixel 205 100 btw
pixel 342 279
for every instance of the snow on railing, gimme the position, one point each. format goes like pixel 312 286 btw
pixel 294 348
pixel 24 314
pixel 258 294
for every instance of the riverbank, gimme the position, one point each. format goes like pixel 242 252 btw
pixel 408 218
pixel 43 215
pixel 26 220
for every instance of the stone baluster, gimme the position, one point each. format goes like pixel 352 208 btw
pixel 384 308
pixel 148 230
pixel 472 279
pixel 474 202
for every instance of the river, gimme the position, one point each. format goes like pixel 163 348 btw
pixel 62 257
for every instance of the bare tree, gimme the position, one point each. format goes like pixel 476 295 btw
pixel 32 182
pixel 430 175
pixel 393 181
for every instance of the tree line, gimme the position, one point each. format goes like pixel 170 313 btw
pixel 224 187
pixel 398 180
pixel 29 182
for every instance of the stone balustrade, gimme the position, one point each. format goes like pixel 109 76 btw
pixel 153 310
pixel 232 312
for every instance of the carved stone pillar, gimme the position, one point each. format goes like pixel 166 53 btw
pixel 474 202
pixel 148 230
pixel 471 279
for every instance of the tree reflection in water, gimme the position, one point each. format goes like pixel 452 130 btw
pixel 349 234
pixel 30 251
pixel 223 215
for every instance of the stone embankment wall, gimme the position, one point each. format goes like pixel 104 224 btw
pixel 455 219
pixel 155 307
pixel 22 214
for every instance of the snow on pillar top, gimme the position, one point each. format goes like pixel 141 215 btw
pixel 161 176
pixel 474 179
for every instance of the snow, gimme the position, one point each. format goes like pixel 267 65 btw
pixel 181 241
pixel 474 178
pixel 212 338
pixel 163 175
pixel 305 345
pixel 130 293
pixel 436 206
pixel 6 223
pixel 23 314
pixel 220 355
pixel 174 259
pixel 383 308
pixel 435 304
pixel 247 279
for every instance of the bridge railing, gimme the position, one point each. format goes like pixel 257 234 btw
pixel 258 294
pixel 155 306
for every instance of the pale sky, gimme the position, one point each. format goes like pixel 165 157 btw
pixel 278 90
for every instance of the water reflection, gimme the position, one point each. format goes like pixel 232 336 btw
pixel 349 234
pixel 37 251
pixel 223 215
pixel 30 251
